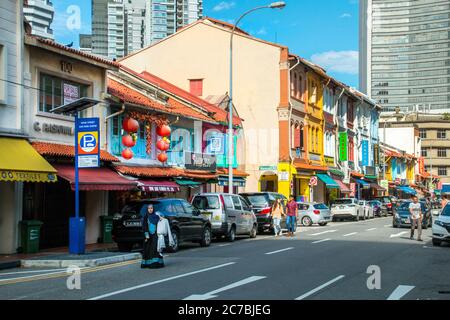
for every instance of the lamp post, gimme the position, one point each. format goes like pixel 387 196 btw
pixel 274 5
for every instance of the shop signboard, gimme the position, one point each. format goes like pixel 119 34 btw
pixel 199 161
pixel 343 146
pixel 365 153
pixel 88 137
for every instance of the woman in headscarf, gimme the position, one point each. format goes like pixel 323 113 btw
pixel 151 258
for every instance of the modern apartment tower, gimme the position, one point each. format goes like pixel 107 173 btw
pixel 120 27
pixel 40 13
pixel 405 54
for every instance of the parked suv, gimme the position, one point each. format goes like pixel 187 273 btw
pixel 347 208
pixel 441 227
pixel 262 203
pixel 230 215
pixel 185 222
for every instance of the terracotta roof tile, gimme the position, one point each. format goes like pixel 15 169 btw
pixel 130 95
pixel 66 151
pixel 236 173
pixel 163 172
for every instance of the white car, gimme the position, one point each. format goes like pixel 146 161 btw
pixel 441 227
pixel 347 208
pixel 368 210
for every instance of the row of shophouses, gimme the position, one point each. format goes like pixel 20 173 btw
pixel 293 122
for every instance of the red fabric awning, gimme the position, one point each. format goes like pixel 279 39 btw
pixel 158 186
pixel 103 179
pixel 342 186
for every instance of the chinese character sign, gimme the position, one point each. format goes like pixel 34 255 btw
pixel 365 153
pixel 343 146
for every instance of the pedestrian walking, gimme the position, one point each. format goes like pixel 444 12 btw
pixel 277 213
pixel 416 217
pixel 292 211
pixel 151 258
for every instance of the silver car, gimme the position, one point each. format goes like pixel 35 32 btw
pixel 310 213
pixel 230 215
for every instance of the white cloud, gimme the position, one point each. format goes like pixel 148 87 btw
pixel 224 5
pixel 345 15
pixel 262 31
pixel 338 61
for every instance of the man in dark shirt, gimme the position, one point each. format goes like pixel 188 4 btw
pixel 292 211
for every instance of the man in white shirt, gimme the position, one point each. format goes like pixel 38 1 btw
pixel 416 217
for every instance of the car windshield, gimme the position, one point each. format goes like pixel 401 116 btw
pixel 320 206
pixel 257 199
pixel 375 203
pixel 405 206
pixel 206 202
pixel 343 201
pixel 141 208
pixel 446 211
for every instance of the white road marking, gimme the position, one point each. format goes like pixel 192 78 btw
pixel 400 292
pixel 33 271
pixel 160 281
pixel 225 245
pixel 310 293
pixel 320 241
pixel 213 294
pixel 397 235
pixel 388 225
pixel 371 229
pixel 350 234
pixel 278 251
pixel 324 232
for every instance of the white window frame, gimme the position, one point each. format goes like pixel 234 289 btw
pixel 3 73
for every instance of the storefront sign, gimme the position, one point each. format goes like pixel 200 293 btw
pixel 284 176
pixel 53 128
pixel 199 161
pixel 66 66
pixel 376 155
pixel 88 142
pixel 329 161
pixel 268 168
pixel 343 146
pixel 365 153
pixel 7 175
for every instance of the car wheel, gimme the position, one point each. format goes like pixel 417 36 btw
pixel 176 242
pixel 231 236
pixel 206 237
pixel 307 221
pixel 254 232
pixel 436 242
pixel 125 246
pixel 323 224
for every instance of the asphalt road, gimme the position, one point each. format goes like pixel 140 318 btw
pixel 319 263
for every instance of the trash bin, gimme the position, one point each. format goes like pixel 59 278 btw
pixel 107 225
pixel 30 235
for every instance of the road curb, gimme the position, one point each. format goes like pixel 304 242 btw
pixel 79 263
pixel 9 265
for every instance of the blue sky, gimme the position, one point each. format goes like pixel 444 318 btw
pixel 324 31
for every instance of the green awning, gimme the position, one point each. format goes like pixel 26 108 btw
pixel 329 182
pixel 237 181
pixel 371 177
pixel 187 183
pixel 336 172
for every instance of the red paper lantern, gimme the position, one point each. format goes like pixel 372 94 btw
pixel 128 141
pixel 127 154
pixel 163 131
pixel 162 157
pixel 130 125
pixel 162 145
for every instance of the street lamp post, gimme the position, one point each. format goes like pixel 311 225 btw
pixel 274 5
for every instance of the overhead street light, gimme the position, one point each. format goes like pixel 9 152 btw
pixel 273 5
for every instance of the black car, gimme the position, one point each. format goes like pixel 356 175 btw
pixel 387 205
pixel 402 216
pixel 262 203
pixel 185 221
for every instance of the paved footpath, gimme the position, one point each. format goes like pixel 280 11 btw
pixel 329 262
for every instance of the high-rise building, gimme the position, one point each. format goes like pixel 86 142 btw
pixel 120 27
pixel 86 43
pixel 405 54
pixel 40 13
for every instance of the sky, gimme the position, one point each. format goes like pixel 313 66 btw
pixel 323 31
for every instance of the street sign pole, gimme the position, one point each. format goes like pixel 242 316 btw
pixel 77 190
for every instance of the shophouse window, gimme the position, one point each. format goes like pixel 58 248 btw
pixel 423 133
pixel 425 153
pixel 442 134
pixel 313 98
pixel 442 171
pixel 3 74
pixel 350 113
pixel 297 142
pixel 299 93
pixel 351 149
pixel 442 153
pixel 55 92
pixel 293 85
pixel 196 87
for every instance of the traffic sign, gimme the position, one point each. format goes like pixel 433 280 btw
pixel 313 181
pixel 88 141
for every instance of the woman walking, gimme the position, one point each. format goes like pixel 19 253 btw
pixel 277 213
pixel 151 258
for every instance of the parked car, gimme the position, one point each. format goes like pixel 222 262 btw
pixel 368 210
pixel 310 213
pixel 441 227
pixel 230 215
pixel 388 206
pixel 346 208
pixel 402 216
pixel 376 206
pixel 185 221
pixel 262 205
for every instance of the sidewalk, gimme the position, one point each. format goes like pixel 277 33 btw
pixel 54 257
